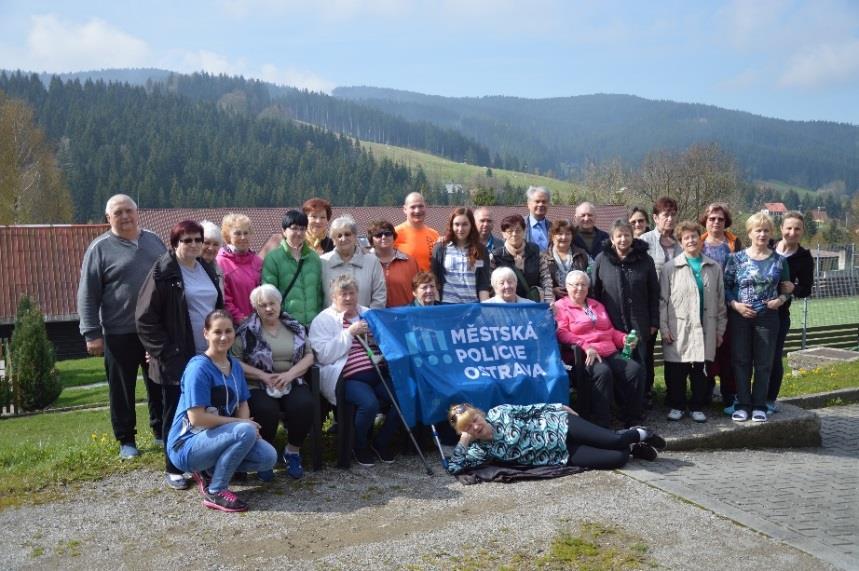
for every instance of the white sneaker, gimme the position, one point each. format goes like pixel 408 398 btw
pixel 698 416
pixel 675 414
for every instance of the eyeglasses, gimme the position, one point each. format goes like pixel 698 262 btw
pixel 383 234
pixel 191 240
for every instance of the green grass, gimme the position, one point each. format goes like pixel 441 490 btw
pixel 95 396
pixel 832 311
pixel 820 380
pixel 440 170
pixel 42 454
pixel 77 372
pixel 783 187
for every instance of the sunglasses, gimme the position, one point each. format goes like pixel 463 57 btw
pixel 383 234
pixel 191 240
pixel 456 412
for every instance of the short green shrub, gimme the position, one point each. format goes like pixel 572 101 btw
pixel 35 381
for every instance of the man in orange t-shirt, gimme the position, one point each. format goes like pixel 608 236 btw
pixel 413 237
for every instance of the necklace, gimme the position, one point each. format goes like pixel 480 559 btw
pixel 223 367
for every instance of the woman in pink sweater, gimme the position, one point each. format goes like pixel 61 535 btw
pixel 583 323
pixel 241 266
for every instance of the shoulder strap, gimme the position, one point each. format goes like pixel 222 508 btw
pixel 294 278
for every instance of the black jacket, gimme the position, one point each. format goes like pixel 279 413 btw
pixel 601 238
pixel 502 258
pixel 628 288
pixel 801 268
pixel 163 323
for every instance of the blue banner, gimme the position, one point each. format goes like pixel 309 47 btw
pixel 485 354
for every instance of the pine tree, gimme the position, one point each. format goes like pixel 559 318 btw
pixel 35 380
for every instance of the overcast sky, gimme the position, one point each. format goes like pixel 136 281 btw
pixel 779 58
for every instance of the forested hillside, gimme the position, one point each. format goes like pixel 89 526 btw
pixel 562 134
pixel 166 150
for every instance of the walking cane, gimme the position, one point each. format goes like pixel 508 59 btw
pixel 372 357
pixel 438 445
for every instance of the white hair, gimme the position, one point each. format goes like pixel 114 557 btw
pixel 118 198
pixel 590 205
pixel 263 293
pixel 211 231
pixel 501 273
pixel 575 274
pixel 535 190
pixel 342 222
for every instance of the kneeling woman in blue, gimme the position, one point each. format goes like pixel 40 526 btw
pixel 212 430
pixel 543 435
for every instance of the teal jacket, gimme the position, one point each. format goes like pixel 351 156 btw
pixel 305 298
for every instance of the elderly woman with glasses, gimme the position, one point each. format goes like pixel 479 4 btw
pixel 584 323
pixel 295 269
pixel 177 295
pixel 424 290
pixel 719 243
pixel 275 354
pixel 398 267
pixel 637 218
pixel 348 258
pixel 241 266
pixel 543 435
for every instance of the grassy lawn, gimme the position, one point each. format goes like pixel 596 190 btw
pixel 440 170
pixel 41 454
pixel 833 311
pixel 77 372
pixel 95 396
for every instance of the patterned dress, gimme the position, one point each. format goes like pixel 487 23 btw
pixel 531 435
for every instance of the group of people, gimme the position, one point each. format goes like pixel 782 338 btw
pixel 225 335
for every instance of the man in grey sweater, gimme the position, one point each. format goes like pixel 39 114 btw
pixel 114 267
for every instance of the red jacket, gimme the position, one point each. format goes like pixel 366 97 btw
pixel 576 328
pixel 241 275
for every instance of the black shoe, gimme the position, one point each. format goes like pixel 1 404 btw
pixel 239 477
pixel 384 453
pixel 652 438
pixel 644 451
pixel 365 457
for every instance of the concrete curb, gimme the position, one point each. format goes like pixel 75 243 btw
pixel 793 427
pixel 822 400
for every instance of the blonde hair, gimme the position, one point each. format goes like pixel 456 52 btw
pixel 233 220
pixel 462 415
pixel 687 226
pixel 759 220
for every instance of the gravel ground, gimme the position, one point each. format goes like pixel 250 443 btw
pixel 381 517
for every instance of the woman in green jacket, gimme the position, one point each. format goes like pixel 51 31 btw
pixel 295 270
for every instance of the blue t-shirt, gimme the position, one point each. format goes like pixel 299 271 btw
pixel 204 385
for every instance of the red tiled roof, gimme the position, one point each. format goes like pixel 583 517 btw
pixel 43 262
pixel 778 207
pixel 266 221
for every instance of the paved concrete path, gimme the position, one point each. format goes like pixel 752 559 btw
pixel 807 498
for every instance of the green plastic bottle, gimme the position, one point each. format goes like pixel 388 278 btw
pixel 630 340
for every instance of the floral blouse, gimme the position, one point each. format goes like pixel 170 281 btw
pixel 531 435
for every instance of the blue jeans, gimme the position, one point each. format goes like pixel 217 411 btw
pixel 368 395
pixel 225 450
pixel 752 347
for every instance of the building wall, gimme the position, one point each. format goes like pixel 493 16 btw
pixel 64 335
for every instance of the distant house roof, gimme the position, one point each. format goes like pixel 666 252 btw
pixel 266 221
pixel 820 216
pixel 775 207
pixel 43 262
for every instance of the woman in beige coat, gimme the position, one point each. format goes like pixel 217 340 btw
pixel 693 318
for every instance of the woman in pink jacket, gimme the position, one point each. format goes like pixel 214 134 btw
pixel 584 323
pixel 242 267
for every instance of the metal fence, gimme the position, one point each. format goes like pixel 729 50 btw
pixel 830 315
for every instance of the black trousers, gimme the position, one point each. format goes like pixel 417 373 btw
pixel 592 446
pixel 123 357
pixel 620 379
pixel 296 409
pixel 675 383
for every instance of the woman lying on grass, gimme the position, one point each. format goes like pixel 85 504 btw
pixel 212 434
pixel 543 435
